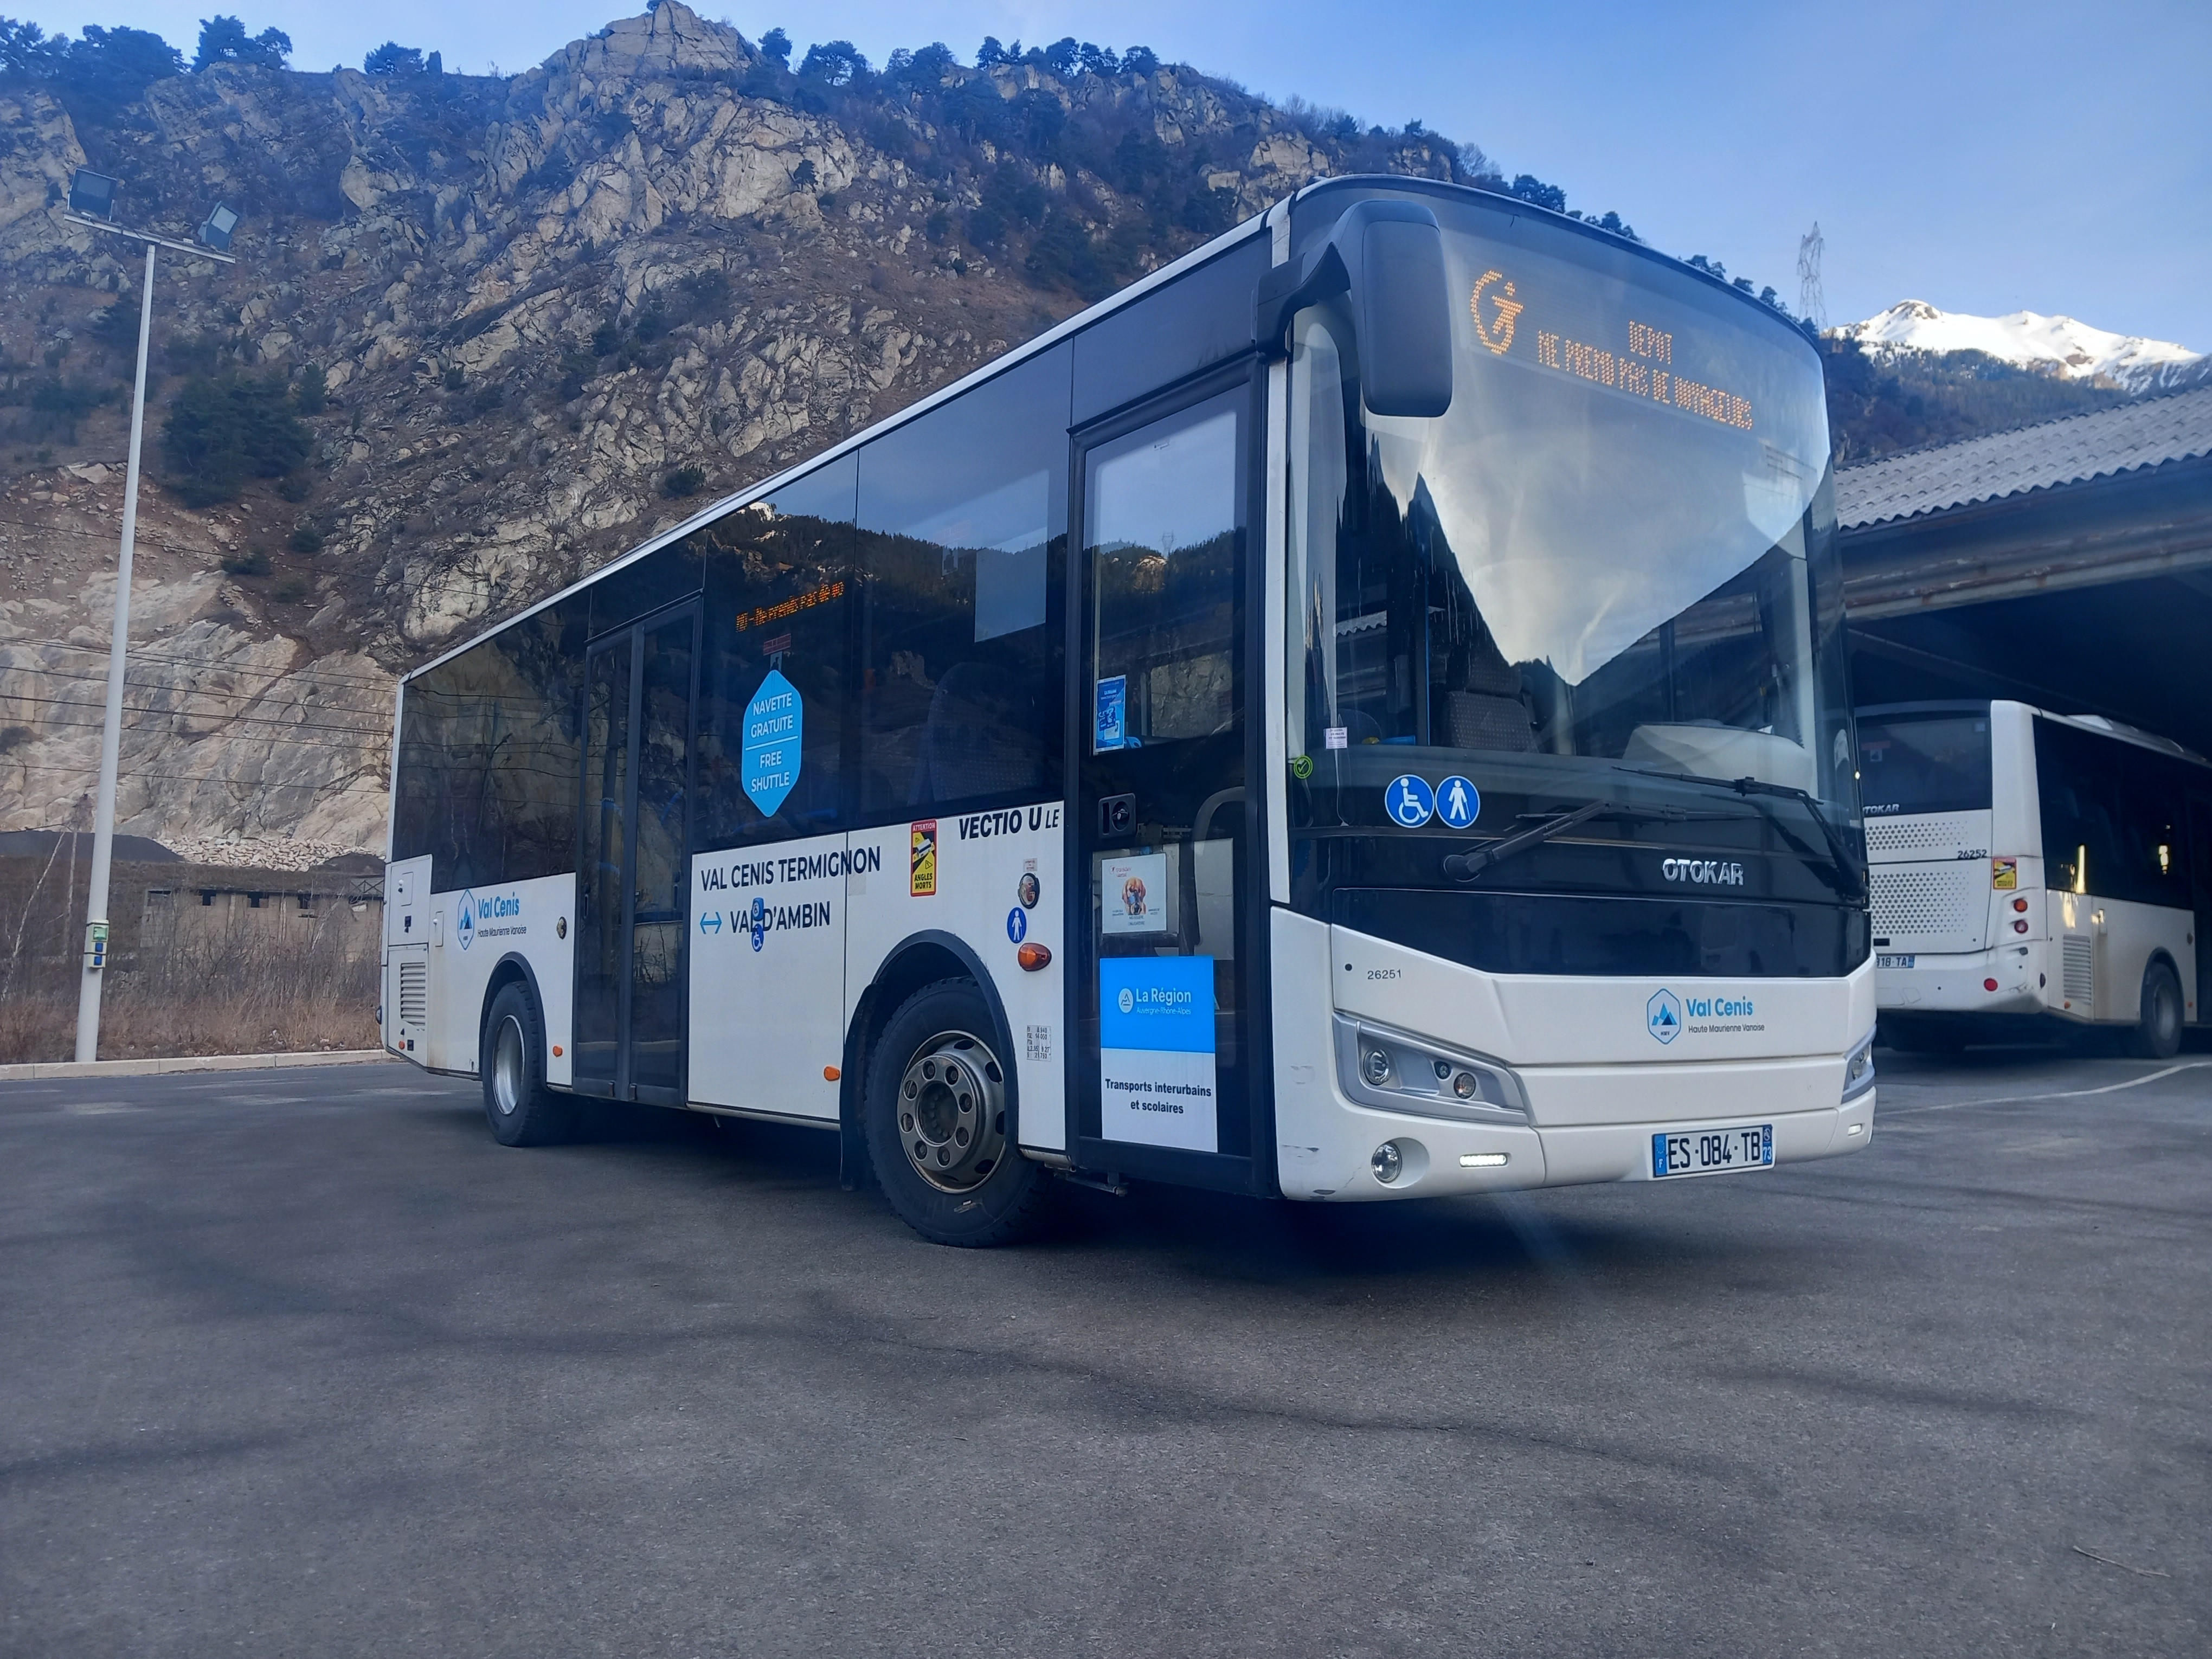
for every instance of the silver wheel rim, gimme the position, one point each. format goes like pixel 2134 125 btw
pixel 507 1067
pixel 952 1112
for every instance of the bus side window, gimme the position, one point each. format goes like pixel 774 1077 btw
pixel 961 515
pixel 487 756
pixel 779 598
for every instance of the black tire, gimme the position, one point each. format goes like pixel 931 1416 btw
pixel 511 1059
pixel 939 1117
pixel 2157 1035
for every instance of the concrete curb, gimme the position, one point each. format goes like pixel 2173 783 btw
pixel 189 1063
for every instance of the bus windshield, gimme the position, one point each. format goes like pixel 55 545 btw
pixel 1612 556
pixel 1924 764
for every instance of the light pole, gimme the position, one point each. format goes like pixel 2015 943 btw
pixel 91 197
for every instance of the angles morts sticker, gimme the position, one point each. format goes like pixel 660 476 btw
pixel 922 859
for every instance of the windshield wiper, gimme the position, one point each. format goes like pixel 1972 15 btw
pixel 1465 866
pixel 1839 851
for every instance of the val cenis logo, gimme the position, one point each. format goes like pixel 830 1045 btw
pixel 464 920
pixel 1662 1015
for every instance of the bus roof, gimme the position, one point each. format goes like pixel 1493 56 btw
pixel 1267 220
pixel 2100 724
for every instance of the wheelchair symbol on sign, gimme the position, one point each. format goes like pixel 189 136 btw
pixel 1458 802
pixel 1409 801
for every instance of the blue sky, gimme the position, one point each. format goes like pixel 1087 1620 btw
pixel 1985 158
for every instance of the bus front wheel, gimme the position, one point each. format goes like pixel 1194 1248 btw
pixel 940 1126
pixel 511 1059
pixel 2158 1035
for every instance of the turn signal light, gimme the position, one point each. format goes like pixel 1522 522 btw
pixel 831 1074
pixel 2020 905
pixel 1033 957
pixel 557 1051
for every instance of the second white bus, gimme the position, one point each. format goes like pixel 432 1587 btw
pixel 2035 868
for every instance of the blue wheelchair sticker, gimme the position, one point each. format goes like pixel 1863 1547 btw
pixel 1409 801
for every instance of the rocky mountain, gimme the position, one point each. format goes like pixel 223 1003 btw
pixel 485 333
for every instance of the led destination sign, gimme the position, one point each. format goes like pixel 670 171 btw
pixel 1577 333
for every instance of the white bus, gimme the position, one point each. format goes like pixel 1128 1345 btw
pixel 2034 869
pixel 1360 714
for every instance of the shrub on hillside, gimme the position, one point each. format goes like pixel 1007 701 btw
pixel 224 429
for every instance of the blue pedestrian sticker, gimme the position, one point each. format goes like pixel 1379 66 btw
pixel 1018 924
pixel 1458 802
pixel 1409 801
pixel 775 729
pixel 1111 727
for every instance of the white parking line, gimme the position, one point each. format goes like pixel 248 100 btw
pixel 2063 1094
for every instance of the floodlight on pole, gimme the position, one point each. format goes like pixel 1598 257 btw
pixel 216 232
pixel 91 197
pixel 93 194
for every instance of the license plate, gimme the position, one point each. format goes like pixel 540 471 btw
pixel 1712 1152
pixel 1895 962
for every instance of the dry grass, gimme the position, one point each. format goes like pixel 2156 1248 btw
pixel 250 988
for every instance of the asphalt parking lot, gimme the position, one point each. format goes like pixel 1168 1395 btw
pixel 303 1362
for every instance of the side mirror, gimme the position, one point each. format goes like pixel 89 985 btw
pixel 1390 257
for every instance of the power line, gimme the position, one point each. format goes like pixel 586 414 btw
pixel 204 664
pixel 299 730
pixel 226 783
pixel 260 695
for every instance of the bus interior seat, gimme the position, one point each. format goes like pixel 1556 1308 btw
pixel 1487 706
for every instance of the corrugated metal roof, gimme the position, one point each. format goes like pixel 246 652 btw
pixel 2071 449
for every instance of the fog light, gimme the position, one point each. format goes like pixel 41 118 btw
pixel 1388 1162
pixel 1483 1160
pixel 1463 1085
pixel 2020 927
pixel 1375 1066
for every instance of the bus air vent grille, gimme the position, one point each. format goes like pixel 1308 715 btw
pixel 2078 971
pixel 1942 907
pixel 414 993
pixel 1916 835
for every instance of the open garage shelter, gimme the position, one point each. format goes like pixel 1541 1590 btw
pixel 2067 565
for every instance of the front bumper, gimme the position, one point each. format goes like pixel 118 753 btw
pixel 1327 1155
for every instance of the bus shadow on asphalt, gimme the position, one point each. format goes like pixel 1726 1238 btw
pixel 1216 1237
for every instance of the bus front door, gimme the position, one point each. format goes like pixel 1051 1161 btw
pixel 1161 1068
pixel 632 882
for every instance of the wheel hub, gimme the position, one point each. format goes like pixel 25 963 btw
pixel 951 1112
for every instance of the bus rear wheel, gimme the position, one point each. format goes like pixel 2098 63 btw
pixel 940 1124
pixel 511 1059
pixel 2157 1034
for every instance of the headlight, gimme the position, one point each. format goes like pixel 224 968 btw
pixel 1858 1069
pixel 1379 1067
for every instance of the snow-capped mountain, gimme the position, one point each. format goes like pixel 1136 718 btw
pixel 2054 346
